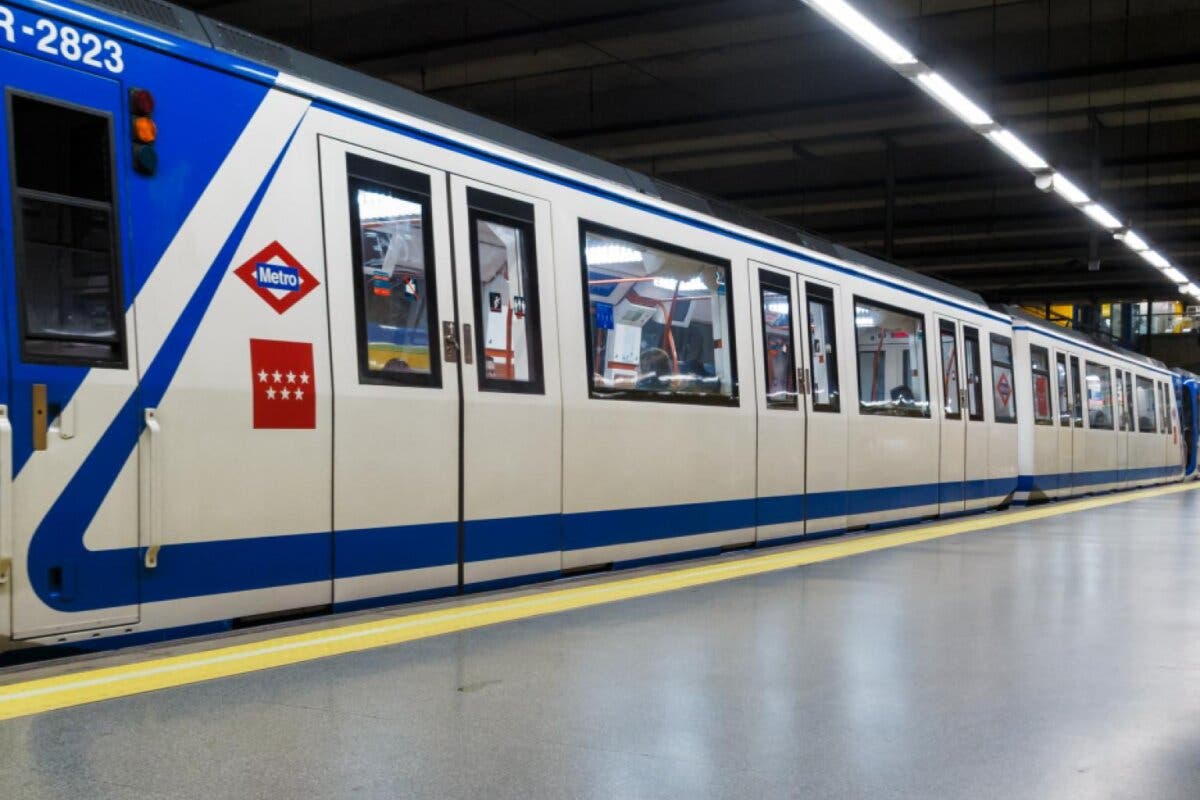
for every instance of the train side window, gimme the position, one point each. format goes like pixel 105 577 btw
pixel 1076 393
pixel 891 360
pixel 822 348
pixel 974 374
pixel 1099 396
pixel 1039 359
pixel 779 375
pixel 395 294
pixel 1003 396
pixel 660 320
pixel 65 238
pixel 505 288
pixel 1129 401
pixel 948 341
pixel 1064 403
pixel 1147 409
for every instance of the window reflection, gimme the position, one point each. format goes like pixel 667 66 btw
pixel 891 361
pixel 779 374
pixel 394 287
pixel 1099 396
pixel 658 319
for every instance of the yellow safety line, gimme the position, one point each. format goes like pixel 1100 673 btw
pixel 90 686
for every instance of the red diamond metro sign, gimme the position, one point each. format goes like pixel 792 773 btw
pixel 277 277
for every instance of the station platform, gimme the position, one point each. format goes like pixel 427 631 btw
pixel 1048 652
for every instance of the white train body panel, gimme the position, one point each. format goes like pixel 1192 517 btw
pixel 358 356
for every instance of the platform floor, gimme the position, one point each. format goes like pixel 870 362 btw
pixel 1050 659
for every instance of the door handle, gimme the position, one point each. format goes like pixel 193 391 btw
pixel 152 486
pixel 468 344
pixel 40 416
pixel 6 509
pixel 449 343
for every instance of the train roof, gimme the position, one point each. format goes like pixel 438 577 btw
pixel 1090 340
pixel 231 40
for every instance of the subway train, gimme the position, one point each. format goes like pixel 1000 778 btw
pixel 279 338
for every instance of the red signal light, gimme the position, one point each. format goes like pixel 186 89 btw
pixel 141 102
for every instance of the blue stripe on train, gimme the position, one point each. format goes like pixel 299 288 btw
pixel 1049 482
pixel 197 569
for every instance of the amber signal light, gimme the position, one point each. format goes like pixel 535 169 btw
pixel 144 130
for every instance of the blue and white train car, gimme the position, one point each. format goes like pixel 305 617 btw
pixel 280 337
pixel 1187 400
pixel 1099 418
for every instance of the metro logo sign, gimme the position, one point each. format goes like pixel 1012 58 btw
pixel 277 277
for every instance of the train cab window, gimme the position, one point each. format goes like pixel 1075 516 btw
pixel 780 365
pixel 1099 396
pixel 395 298
pixel 1147 409
pixel 1064 403
pixel 660 320
pixel 67 262
pixel 505 287
pixel 1129 401
pixel 1039 359
pixel 1076 393
pixel 948 345
pixel 1004 398
pixel 891 360
pixel 973 363
pixel 822 349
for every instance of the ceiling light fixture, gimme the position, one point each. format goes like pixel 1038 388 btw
pixel 953 99
pixel 852 21
pixel 1102 216
pixel 1021 153
pixel 1067 190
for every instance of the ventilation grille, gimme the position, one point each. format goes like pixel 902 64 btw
pixel 158 13
pixel 253 47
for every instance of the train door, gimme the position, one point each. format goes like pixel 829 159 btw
pixel 511 391
pixel 396 419
pixel 1077 480
pixel 68 536
pixel 825 443
pixel 975 453
pixel 781 414
pixel 1064 426
pixel 1120 427
pixel 952 471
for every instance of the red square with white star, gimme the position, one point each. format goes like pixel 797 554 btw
pixel 283 383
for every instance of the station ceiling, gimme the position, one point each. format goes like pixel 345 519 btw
pixel 763 103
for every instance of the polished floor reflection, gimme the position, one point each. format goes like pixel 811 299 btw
pixel 1056 659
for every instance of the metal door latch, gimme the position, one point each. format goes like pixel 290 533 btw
pixel 449 343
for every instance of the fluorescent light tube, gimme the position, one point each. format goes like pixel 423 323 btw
pixel 854 23
pixel 1134 242
pixel 1020 151
pixel 1174 275
pixel 1154 258
pixel 1067 190
pixel 953 99
pixel 1101 215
